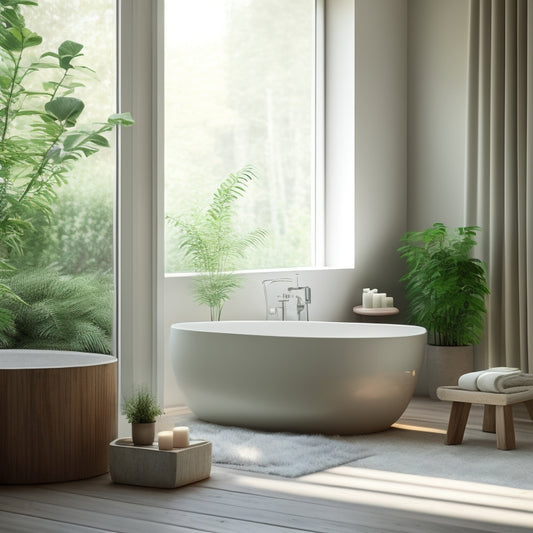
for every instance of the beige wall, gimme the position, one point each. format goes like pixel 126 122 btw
pixel 380 142
pixel 437 61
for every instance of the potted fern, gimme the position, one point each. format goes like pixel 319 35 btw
pixel 141 410
pixel 213 246
pixel 445 290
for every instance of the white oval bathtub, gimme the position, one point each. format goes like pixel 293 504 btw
pixel 311 377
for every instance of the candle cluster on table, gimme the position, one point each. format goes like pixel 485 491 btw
pixel 177 438
pixel 374 299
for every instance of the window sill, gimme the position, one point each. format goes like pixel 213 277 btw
pixel 267 271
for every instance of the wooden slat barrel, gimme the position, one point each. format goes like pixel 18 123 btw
pixel 58 414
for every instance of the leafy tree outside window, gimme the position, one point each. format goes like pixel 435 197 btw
pixel 41 190
pixel 239 90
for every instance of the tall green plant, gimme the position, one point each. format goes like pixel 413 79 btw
pixel 212 244
pixel 40 138
pixel 445 286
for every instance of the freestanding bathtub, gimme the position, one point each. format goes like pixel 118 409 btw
pixel 309 377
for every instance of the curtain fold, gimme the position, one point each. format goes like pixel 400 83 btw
pixel 499 172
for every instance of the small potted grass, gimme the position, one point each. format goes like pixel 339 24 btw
pixel 141 410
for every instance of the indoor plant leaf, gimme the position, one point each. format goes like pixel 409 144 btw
pixel 67 51
pixel 445 286
pixel 121 119
pixel 65 109
pixel 213 245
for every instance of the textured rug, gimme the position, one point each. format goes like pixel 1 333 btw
pixel 423 453
pixel 282 454
pixel 408 451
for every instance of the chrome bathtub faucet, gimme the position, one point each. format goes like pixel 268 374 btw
pixel 286 300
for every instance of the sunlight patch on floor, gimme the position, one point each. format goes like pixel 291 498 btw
pixel 432 482
pixel 406 493
pixel 419 486
pixel 419 428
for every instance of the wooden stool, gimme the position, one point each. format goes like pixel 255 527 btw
pixel 497 415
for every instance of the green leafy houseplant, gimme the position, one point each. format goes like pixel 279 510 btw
pixel 213 245
pixel 40 138
pixel 445 286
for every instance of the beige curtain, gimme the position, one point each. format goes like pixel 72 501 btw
pixel 499 167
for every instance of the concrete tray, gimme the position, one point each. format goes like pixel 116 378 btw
pixel 150 467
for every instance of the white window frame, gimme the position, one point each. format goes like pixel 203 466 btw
pixel 140 220
pixel 339 134
pixel 138 290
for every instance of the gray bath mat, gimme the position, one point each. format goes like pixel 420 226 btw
pixel 406 451
pixel 282 454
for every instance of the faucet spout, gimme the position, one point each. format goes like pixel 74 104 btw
pixel 286 299
pixel 306 291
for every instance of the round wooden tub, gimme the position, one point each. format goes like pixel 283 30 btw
pixel 59 414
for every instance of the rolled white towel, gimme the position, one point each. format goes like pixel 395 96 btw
pixel 469 381
pixel 507 382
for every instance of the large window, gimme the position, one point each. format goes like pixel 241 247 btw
pixel 62 266
pixel 240 85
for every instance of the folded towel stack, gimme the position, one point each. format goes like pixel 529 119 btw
pixel 497 379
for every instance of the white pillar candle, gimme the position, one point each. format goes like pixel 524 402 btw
pixel 389 301
pixel 378 299
pixel 165 440
pixel 367 299
pixel 181 436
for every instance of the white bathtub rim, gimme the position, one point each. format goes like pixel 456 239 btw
pixel 294 329
pixel 19 359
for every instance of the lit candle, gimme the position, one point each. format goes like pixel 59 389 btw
pixel 389 301
pixel 165 440
pixel 181 436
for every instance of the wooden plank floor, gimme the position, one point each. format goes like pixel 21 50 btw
pixel 342 499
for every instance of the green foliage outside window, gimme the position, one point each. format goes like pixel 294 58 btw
pixel 240 87
pixel 41 139
pixel 59 312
